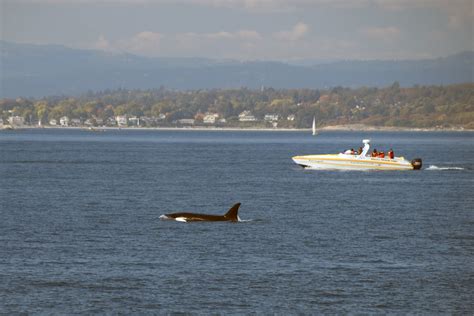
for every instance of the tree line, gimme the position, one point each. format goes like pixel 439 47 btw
pixel 417 106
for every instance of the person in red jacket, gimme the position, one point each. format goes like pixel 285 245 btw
pixel 391 154
pixel 381 154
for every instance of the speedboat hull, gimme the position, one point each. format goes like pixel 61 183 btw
pixel 352 162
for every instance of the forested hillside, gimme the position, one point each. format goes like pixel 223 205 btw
pixel 418 106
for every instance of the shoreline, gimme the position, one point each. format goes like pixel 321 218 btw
pixel 367 128
pixel 349 127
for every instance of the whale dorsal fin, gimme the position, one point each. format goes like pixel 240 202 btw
pixel 232 213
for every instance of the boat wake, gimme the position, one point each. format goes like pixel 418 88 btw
pixel 433 167
pixel 245 220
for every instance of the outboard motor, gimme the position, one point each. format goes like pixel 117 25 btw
pixel 416 163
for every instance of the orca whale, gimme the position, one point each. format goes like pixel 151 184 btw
pixel 230 216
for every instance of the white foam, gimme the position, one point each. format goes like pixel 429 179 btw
pixel 432 167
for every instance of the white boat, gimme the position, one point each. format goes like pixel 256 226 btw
pixel 348 161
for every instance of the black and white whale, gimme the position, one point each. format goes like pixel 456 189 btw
pixel 230 216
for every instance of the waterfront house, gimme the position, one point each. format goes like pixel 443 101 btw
pixel 121 120
pixel 75 122
pixel 246 116
pixel 186 121
pixel 271 117
pixel 64 121
pixel 110 121
pixel 210 118
pixel 16 120
pixel 148 121
pixel 134 120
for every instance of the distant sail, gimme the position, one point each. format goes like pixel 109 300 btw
pixel 314 126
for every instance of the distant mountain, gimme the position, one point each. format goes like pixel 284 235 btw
pixel 39 70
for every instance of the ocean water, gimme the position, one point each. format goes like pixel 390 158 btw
pixel 80 229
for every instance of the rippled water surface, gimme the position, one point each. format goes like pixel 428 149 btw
pixel 80 229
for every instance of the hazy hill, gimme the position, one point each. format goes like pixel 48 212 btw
pixel 39 70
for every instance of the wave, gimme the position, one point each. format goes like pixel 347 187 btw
pixel 433 167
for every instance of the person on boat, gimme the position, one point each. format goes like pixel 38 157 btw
pixel 374 153
pixel 350 152
pixel 381 154
pixel 391 154
pixel 359 151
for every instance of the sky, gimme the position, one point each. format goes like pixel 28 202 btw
pixel 285 30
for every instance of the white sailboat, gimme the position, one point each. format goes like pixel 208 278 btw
pixel 314 126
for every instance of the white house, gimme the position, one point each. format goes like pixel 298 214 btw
pixel 210 118
pixel 147 120
pixel 134 120
pixel 246 116
pixel 271 117
pixel 75 122
pixel 121 120
pixel 16 120
pixel 110 121
pixel 186 121
pixel 64 121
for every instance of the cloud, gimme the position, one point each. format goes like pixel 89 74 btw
pixel 261 31
pixel 223 43
pixel 148 36
pixel 457 13
pixel 390 33
pixel 149 43
pixel 412 4
pixel 199 41
pixel 387 4
pixel 454 22
pixel 247 35
pixel 145 43
pixel 460 16
pixel 102 44
pixel 296 33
